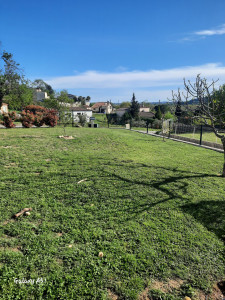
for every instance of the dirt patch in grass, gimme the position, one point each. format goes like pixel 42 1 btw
pixel 166 287
pixel 12 249
pixel 59 234
pixel 218 292
pixel 112 296
pixel 144 295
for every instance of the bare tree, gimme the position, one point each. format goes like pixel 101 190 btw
pixel 208 109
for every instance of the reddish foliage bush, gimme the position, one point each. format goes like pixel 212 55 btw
pixel 27 118
pixel 38 119
pixel 35 109
pixel 51 118
pixel 8 119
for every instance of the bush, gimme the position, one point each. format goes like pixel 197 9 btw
pixel 157 124
pixel 138 123
pixel 82 120
pixel 8 119
pixel 27 119
pixel 51 117
pixel 35 109
pixel 38 119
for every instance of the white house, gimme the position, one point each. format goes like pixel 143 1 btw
pixel 82 110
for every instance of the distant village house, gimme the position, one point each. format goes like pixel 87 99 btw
pixel 82 110
pixel 103 107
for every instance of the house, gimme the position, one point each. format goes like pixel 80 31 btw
pixel 4 108
pixel 39 95
pixel 81 110
pixel 121 111
pixel 144 109
pixel 103 107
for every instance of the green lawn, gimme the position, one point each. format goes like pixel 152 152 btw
pixel 206 136
pixel 155 209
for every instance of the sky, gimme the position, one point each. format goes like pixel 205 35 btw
pixel 109 50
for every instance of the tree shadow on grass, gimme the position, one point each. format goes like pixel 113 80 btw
pixel 173 184
pixel 211 214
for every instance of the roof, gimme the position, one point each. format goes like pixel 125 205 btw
pixel 80 108
pixel 123 109
pixel 147 114
pixel 98 104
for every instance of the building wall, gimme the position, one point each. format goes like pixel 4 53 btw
pixel 4 108
pixel 75 115
pixel 144 109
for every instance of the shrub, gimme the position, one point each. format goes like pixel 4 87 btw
pixel 138 123
pixel 8 119
pixel 82 120
pixel 51 117
pixel 157 124
pixel 27 119
pixel 38 119
pixel 35 109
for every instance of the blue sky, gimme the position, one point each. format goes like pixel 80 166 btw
pixel 110 49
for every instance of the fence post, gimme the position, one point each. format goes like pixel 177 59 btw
pixel 200 142
pixel 72 119
pixel 147 126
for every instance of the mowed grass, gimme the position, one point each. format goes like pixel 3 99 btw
pixel 206 136
pixel 155 209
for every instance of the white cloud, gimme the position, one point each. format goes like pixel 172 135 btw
pixel 153 84
pixel 219 31
pixel 134 79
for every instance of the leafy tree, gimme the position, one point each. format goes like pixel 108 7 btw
pixel 20 97
pixel 83 101
pixel 80 98
pixel 134 108
pixel 124 104
pixel 10 75
pixel 88 98
pixel 41 84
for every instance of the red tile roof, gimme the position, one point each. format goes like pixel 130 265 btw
pixel 98 104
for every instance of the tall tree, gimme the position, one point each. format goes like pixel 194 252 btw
pixel 158 114
pixel 10 75
pixel 134 108
pixel 43 86
pixel 178 111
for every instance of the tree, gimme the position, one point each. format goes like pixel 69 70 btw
pixel 10 75
pixel 43 86
pixel 210 106
pixel 158 114
pixel 20 97
pixel 124 104
pixel 134 108
pixel 178 111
